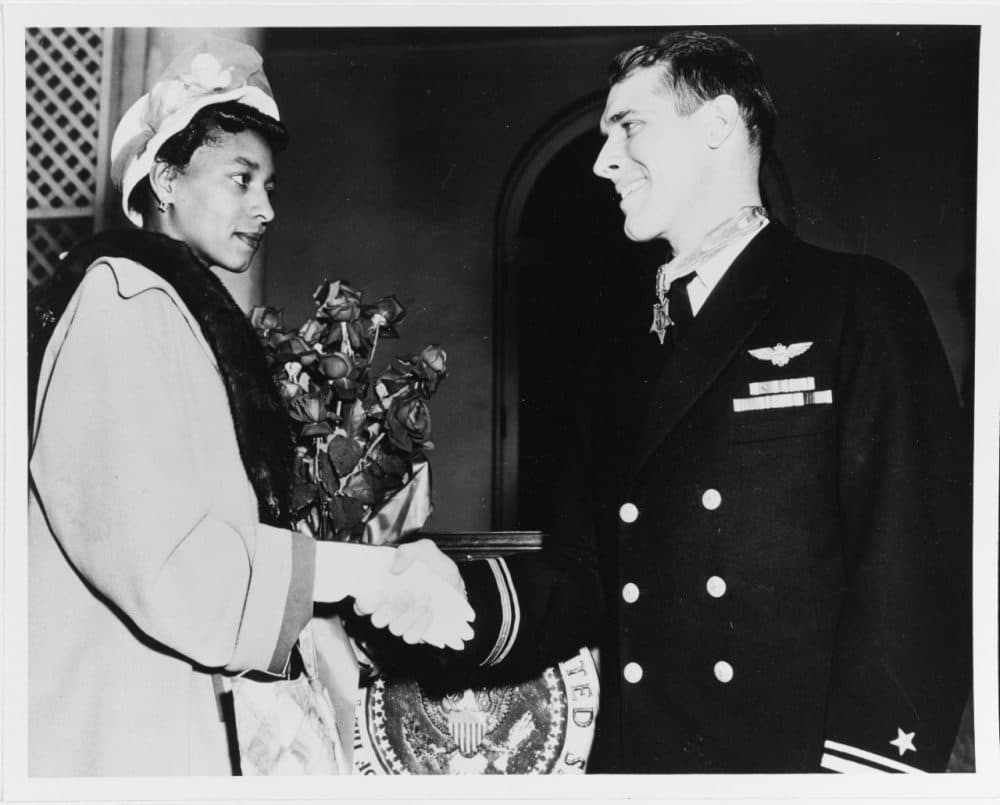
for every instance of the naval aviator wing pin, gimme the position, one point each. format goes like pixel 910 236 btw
pixel 779 354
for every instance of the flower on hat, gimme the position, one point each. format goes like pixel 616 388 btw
pixel 207 73
pixel 215 70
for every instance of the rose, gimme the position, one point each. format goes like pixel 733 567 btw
pixel 312 331
pixel 434 357
pixel 295 381
pixel 409 424
pixel 422 372
pixel 207 72
pixel 292 348
pixel 345 388
pixel 337 301
pixel 385 312
pixel 429 368
pixel 288 390
pixel 395 377
pixel 335 365
pixel 357 435
pixel 310 409
pixel 264 319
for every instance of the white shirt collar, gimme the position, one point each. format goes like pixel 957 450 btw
pixel 714 269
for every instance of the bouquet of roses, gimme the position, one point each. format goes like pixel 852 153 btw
pixel 361 439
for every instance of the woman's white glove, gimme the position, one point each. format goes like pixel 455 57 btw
pixel 415 603
pixel 429 554
pixel 423 553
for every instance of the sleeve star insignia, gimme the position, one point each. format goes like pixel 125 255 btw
pixel 904 742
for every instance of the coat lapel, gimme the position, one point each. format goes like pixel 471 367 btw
pixel 746 293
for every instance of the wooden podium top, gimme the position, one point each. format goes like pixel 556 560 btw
pixel 469 545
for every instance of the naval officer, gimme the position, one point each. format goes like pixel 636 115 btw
pixel 774 500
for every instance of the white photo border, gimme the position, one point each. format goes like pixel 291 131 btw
pixel 984 783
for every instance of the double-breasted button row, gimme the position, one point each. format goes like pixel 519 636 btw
pixel 716 587
pixel 711 499
pixel 629 513
pixel 723 672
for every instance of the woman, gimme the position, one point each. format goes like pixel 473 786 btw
pixel 160 464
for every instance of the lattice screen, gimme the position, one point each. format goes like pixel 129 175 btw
pixel 64 72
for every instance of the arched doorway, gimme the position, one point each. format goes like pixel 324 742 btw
pixel 566 273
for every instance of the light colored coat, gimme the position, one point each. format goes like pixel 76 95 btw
pixel 148 567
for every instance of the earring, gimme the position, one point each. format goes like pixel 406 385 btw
pixel 161 205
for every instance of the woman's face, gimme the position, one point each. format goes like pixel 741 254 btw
pixel 221 202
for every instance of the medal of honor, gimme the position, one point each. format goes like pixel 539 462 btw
pixel 661 320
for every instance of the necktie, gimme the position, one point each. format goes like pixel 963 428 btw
pixel 678 308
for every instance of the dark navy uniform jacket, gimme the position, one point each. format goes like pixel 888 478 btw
pixel 782 587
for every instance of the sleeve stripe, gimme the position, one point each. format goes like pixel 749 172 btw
pixel 298 604
pixel 515 611
pixel 859 757
pixel 845 766
pixel 506 611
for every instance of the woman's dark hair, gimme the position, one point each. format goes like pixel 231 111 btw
pixel 697 67
pixel 204 129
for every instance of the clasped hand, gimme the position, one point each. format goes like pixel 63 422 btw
pixel 416 592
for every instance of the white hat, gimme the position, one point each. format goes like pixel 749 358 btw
pixel 213 71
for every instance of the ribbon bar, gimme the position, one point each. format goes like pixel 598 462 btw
pixel 783 386
pixel 796 400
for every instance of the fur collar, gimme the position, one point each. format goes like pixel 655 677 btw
pixel 263 430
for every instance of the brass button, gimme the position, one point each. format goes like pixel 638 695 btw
pixel 630 593
pixel 723 672
pixel 716 586
pixel 633 672
pixel 628 512
pixel 711 499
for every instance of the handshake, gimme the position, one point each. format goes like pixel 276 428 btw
pixel 415 590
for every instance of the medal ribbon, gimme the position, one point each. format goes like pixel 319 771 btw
pixel 749 219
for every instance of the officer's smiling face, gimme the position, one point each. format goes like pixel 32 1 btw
pixel 654 156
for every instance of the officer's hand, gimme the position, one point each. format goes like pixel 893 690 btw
pixel 426 552
pixel 418 606
pixel 414 603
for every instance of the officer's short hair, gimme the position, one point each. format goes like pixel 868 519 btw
pixel 697 67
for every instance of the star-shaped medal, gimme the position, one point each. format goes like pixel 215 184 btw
pixel 661 320
pixel 904 742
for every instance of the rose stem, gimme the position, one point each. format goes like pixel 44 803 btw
pixel 345 340
pixel 371 355
pixel 319 492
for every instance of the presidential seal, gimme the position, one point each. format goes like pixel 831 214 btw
pixel 543 726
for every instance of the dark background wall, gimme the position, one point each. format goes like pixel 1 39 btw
pixel 403 141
